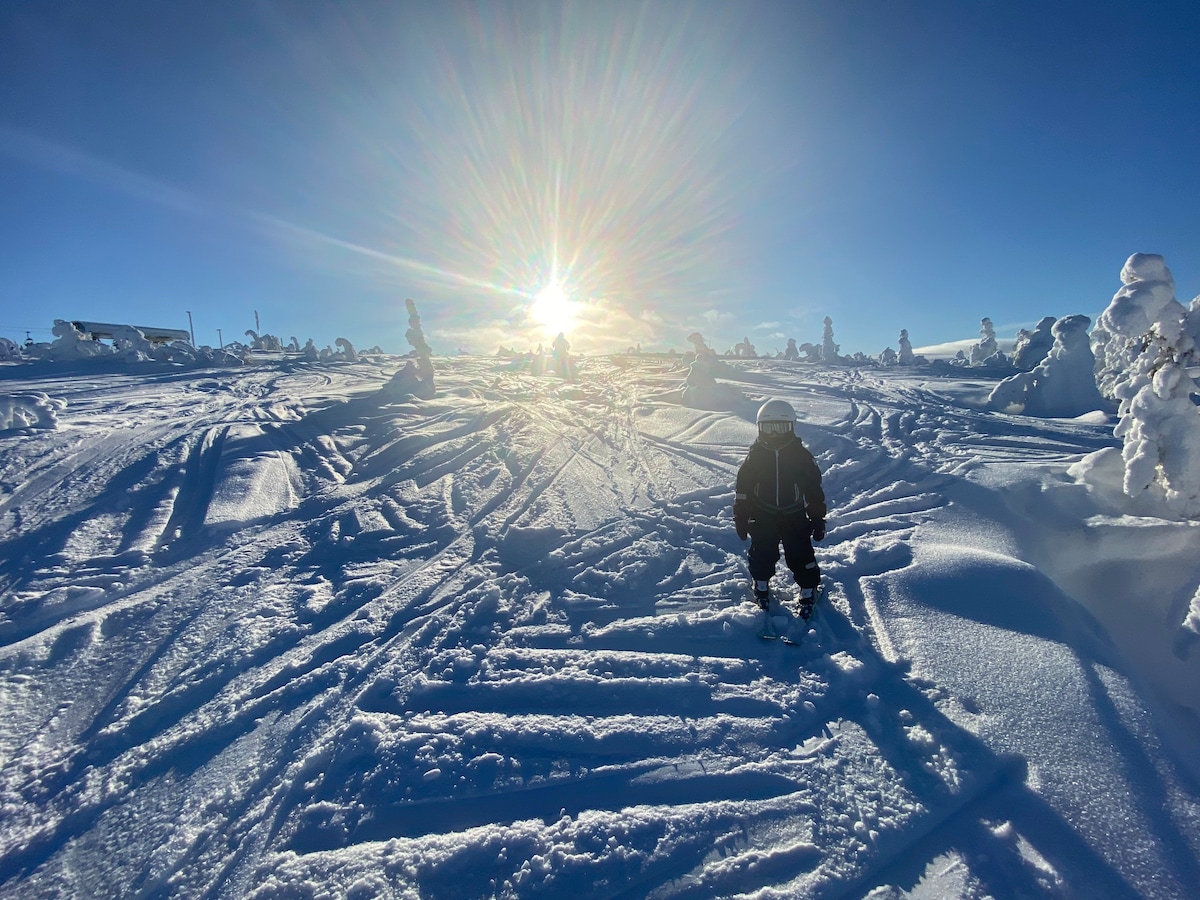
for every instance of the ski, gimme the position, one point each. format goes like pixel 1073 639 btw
pixel 768 631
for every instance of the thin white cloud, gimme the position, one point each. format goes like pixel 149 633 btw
pixel 34 150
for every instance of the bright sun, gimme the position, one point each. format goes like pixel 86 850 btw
pixel 553 308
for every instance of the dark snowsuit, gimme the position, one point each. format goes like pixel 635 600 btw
pixel 778 498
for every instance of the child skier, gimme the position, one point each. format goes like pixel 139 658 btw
pixel 778 499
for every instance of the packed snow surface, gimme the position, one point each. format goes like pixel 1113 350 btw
pixel 275 632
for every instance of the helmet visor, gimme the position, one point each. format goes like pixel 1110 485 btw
pixel 775 428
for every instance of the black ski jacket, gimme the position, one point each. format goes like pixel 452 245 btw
pixel 783 482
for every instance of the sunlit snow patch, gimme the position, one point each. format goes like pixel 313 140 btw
pixel 254 479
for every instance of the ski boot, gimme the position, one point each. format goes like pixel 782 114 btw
pixel 762 594
pixel 808 600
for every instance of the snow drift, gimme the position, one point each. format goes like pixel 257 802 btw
pixel 273 632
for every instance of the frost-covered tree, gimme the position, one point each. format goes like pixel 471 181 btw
pixel 888 357
pixel 696 339
pixel 415 336
pixel 1031 347
pixel 265 342
pixel 791 351
pixel 71 343
pixel 346 349
pixel 829 350
pixel 701 390
pixel 905 357
pixel 745 349
pixel 416 376
pixel 985 349
pixel 703 351
pixel 1146 349
pixel 1062 384
pixel 10 351
pixel 1119 338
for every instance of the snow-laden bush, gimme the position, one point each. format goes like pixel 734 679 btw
pixel 1062 384
pixel 701 390
pixel 1145 349
pixel 266 342
pixel 29 410
pixel 10 351
pixel 702 351
pixel 70 343
pixel 131 345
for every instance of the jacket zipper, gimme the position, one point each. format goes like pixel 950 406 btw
pixel 778 495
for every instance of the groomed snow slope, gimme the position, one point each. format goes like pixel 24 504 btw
pixel 263 634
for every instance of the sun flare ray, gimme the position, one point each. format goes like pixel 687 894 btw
pixel 560 166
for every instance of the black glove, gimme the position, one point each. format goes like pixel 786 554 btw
pixel 741 518
pixel 818 532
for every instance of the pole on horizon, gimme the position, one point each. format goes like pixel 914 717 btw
pixel 191 330
pixel 220 339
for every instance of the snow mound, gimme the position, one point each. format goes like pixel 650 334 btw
pixel 31 410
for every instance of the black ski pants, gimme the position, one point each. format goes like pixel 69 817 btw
pixel 767 532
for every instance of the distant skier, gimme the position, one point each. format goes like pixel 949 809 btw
pixel 778 499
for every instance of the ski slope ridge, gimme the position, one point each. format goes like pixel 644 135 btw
pixel 266 634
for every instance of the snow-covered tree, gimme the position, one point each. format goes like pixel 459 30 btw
pixel 415 377
pixel 265 342
pixel 415 336
pixel 745 349
pixel 1031 347
pixel 703 351
pixel 905 357
pixel 10 351
pixel 701 390
pixel 791 351
pixel 985 350
pixel 1119 338
pixel 829 350
pixel 1145 352
pixel 888 357
pixel 1062 384
pixel 71 343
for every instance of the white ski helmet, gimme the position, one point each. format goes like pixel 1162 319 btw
pixel 776 417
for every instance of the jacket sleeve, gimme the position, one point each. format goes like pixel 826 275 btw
pixel 741 496
pixel 814 494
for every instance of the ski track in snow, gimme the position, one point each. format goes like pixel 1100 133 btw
pixel 497 643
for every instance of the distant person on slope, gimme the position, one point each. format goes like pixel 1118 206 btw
pixel 778 499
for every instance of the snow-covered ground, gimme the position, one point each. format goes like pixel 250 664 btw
pixel 268 632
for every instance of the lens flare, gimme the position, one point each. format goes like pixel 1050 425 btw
pixel 553 309
pixel 574 166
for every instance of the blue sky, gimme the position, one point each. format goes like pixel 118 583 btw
pixel 741 169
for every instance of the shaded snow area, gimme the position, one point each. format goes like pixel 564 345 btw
pixel 275 633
